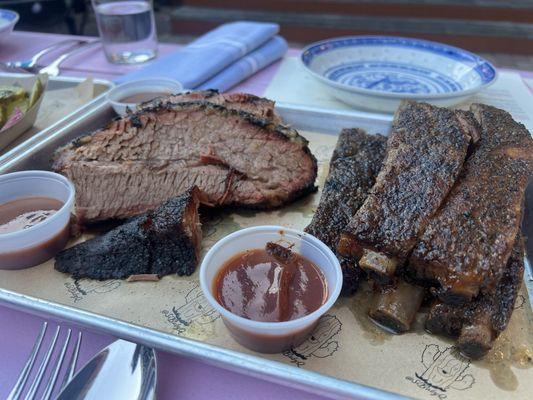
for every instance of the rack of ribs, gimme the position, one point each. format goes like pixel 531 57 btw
pixel 353 168
pixel 425 153
pixel 466 245
pixel 478 324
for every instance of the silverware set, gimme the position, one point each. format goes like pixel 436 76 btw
pixel 122 370
pixel 33 386
pixel 32 66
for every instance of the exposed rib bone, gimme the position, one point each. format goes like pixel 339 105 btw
pixel 396 307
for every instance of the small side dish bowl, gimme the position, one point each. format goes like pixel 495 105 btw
pixel 8 20
pixel 38 243
pixel 270 337
pixel 377 72
pixel 118 95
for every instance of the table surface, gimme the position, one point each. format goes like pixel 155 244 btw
pixel 178 376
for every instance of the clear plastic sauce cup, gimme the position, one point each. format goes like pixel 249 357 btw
pixel 40 242
pixel 270 337
pixel 118 96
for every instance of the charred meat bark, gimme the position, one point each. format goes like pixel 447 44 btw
pixel 490 315
pixel 263 108
pixel 445 319
pixel 162 241
pixel 479 323
pixel 466 244
pixel 139 161
pixel 353 168
pixel 425 153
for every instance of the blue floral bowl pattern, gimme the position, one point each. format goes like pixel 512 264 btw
pixel 396 67
pixel 8 19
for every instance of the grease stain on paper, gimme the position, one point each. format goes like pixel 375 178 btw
pixel 512 349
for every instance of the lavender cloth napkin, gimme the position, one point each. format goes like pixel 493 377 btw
pixel 208 55
pixel 241 69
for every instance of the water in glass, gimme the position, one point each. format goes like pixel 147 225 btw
pixel 127 30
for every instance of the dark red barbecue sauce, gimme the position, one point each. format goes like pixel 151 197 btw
pixel 256 285
pixel 22 214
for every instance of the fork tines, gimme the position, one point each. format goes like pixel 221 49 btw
pixel 49 362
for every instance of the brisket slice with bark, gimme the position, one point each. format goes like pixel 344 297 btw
pixel 479 323
pixel 137 162
pixel 353 168
pixel 263 108
pixel 466 244
pixel 163 241
pixel 425 153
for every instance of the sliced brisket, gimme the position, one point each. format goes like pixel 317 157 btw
pixel 263 108
pixel 139 161
pixel 163 241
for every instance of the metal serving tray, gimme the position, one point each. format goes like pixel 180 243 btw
pixel 36 154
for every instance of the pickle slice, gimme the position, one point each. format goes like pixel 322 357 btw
pixel 36 92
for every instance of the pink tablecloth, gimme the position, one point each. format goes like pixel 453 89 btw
pixel 179 377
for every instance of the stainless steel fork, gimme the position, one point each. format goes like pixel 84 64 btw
pixel 32 62
pixel 55 366
pixel 51 69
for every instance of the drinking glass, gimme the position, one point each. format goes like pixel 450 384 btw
pixel 127 30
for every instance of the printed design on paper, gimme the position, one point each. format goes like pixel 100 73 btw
pixel 443 370
pixel 321 344
pixel 79 288
pixel 194 317
pixel 520 302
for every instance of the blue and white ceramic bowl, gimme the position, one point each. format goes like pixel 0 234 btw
pixel 377 72
pixel 8 19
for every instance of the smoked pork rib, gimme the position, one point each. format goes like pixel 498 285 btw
pixel 478 324
pixel 425 153
pixel 466 245
pixel 263 108
pixel 139 161
pixel 163 241
pixel 396 305
pixel 353 168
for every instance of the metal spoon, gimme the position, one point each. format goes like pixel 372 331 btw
pixel 123 370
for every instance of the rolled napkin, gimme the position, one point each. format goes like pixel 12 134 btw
pixel 208 55
pixel 245 67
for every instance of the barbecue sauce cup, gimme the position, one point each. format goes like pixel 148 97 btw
pixel 36 206
pixel 261 336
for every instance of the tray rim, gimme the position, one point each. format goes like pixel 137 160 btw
pixel 252 365
pixel 248 364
